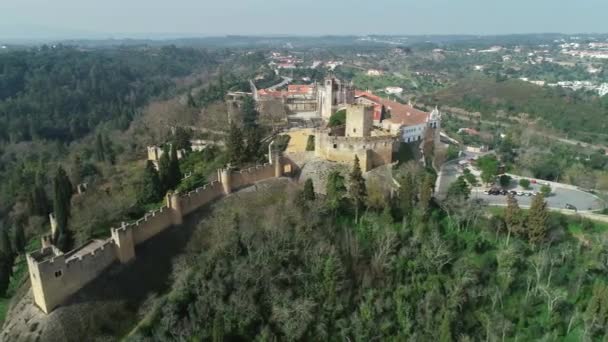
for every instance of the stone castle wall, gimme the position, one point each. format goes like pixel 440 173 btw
pixel 372 151
pixel 55 276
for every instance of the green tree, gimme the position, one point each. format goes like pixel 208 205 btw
pixel 62 197
pixel 6 267
pixel 524 183
pixel 181 139
pixel 19 238
pixel 310 143
pixel 357 189
pixel 489 168
pixel 426 192
pixel 253 149
pixel 250 113
pixel 5 243
pixel 164 165
pixel 545 190
pixel 513 218
pixel 538 217
pixel 309 191
pixel 235 146
pixel 190 101
pixel 336 190
pixel 151 190
pixel 337 119
pixel 39 201
pixel 407 194
pixel 100 150
pixel 505 181
pixel 174 173
pixel 459 188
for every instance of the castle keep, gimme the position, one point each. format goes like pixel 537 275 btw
pixel 55 276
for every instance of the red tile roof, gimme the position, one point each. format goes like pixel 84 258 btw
pixel 400 113
pixel 299 88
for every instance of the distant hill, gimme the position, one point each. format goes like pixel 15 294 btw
pixel 568 111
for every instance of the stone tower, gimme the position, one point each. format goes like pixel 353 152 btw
pixel 359 120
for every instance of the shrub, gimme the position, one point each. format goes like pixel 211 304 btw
pixel 524 183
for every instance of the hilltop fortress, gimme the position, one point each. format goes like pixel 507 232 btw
pixel 55 276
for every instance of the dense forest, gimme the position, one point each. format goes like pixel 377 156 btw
pixel 307 268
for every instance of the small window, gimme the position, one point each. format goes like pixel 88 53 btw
pixel 335 145
pixel 58 274
pixel 354 130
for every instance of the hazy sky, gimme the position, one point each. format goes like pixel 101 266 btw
pixel 302 17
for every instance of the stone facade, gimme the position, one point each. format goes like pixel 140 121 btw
pixel 334 95
pixel 55 276
pixel 356 140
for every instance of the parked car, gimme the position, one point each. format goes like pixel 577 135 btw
pixel 570 207
pixel 521 193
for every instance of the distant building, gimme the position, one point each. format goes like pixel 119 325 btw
pixel 374 72
pixel 393 90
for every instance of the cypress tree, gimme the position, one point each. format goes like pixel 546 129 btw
pixel 309 191
pixel 407 195
pixel 426 192
pixel 163 169
pixel 5 243
pixel 151 190
pixel 310 143
pixel 174 172
pixel 335 191
pixel 38 200
pixel 61 207
pixel 357 189
pixel 513 217
pixel 538 216
pixel 19 239
pixel 6 267
pixel 99 149
pixel 254 144
pixel 250 113
pixel 235 146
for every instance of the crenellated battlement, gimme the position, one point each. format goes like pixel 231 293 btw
pixel 55 276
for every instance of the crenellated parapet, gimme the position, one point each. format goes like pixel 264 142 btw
pixel 55 276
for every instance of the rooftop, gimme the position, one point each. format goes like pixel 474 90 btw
pixel 400 113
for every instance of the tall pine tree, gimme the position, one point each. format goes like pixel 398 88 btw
pixel 164 164
pixel 61 206
pixel 100 151
pixel 309 190
pixel 174 172
pixel 236 149
pixel 357 189
pixel 335 190
pixel 151 190
pixel 538 217
pixel 513 217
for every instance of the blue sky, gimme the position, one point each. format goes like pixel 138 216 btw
pixel 302 17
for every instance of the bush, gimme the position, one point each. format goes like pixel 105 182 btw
pixel 545 190
pixel 310 144
pixel 524 183
pixel 338 118
pixel 505 181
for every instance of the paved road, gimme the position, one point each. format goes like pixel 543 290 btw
pixel 286 81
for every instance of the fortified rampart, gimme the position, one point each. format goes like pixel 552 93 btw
pixel 372 151
pixel 55 276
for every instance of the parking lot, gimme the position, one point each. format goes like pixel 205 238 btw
pixel 583 201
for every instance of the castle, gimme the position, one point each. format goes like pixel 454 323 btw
pixel 358 137
pixel 55 276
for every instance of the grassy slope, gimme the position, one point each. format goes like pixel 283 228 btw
pixel 561 108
